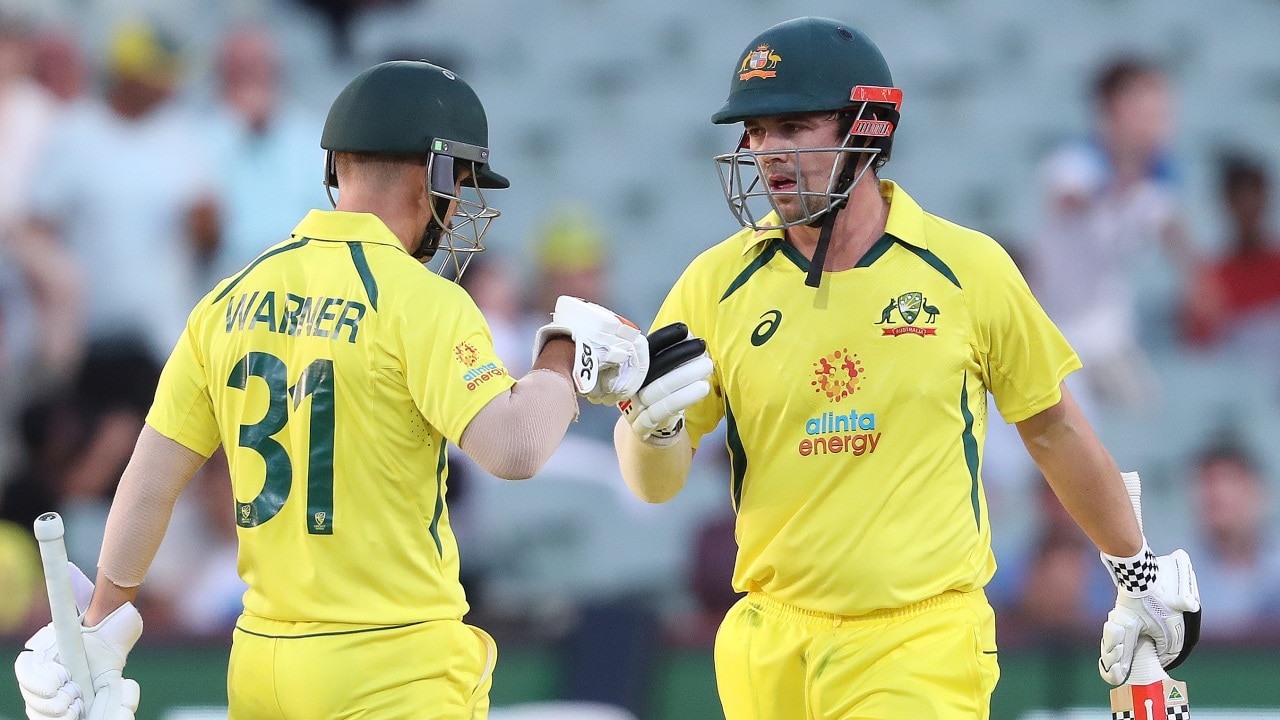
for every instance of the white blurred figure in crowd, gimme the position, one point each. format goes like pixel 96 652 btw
pixel 1109 198
pixel 122 204
pixel 125 189
pixel 265 149
pixel 27 112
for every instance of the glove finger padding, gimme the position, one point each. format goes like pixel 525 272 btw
pixel 664 365
pixel 45 685
pixel 611 355
pixel 666 336
pixel 678 377
pixel 622 374
pixel 660 414
pixel 1167 612
pixel 1185 598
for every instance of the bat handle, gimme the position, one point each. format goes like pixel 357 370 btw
pixel 1146 664
pixel 62 603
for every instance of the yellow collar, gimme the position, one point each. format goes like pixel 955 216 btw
pixel 905 221
pixel 346 226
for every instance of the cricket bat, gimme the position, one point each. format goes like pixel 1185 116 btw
pixel 1149 694
pixel 62 603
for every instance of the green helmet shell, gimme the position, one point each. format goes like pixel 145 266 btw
pixel 808 64
pixel 411 108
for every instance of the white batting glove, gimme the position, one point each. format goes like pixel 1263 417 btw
pixel 1157 598
pixel 45 683
pixel 612 355
pixel 678 377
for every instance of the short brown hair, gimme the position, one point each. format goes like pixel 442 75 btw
pixel 1120 74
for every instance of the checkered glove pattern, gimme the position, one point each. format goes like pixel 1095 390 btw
pixel 1122 715
pixel 1156 597
pixel 1133 576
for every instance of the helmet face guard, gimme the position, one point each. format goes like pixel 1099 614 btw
pixel 807 66
pixel 751 200
pixel 452 169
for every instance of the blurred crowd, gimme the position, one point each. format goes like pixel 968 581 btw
pixel 126 198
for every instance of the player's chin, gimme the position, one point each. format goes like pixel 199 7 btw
pixel 789 208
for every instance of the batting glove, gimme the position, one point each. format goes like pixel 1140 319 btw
pixel 45 683
pixel 1157 598
pixel 678 377
pixel 612 355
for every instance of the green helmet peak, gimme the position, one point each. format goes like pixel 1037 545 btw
pixel 411 107
pixel 808 64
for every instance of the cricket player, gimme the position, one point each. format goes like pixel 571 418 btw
pixel 853 339
pixel 334 369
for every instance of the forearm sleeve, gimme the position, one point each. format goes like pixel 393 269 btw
pixel 514 435
pixel 654 474
pixel 140 512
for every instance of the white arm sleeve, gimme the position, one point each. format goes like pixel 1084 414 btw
pixel 514 435
pixel 140 512
pixel 654 474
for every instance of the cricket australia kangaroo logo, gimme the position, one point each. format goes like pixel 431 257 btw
pixel 759 63
pixel 909 306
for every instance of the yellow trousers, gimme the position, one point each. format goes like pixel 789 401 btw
pixel 440 670
pixel 935 660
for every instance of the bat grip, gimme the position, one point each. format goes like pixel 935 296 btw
pixel 62 603
pixel 1146 667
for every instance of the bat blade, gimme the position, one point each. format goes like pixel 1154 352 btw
pixel 1149 694
pixel 1160 700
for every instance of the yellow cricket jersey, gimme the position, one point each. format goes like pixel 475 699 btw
pixel 856 412
pixel 333 369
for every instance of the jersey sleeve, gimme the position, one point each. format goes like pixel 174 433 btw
pixel 1024 356
pixel 687 303
pixel 183 408
pixel 450 365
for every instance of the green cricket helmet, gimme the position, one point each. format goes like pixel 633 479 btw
pixel 801 66
pixel 418 109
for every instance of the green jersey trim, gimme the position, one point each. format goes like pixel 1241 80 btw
pixel 877 250
pixel 737 455
pixel 283 248
pixel 792 253
pixel 366 273
pixel 329 634
pixel 435 517
pixel 761 260
pixel 970 444
pixel 933 261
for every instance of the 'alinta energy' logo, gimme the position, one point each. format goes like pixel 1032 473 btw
pixel 840 431
pixel 837 375
pixel 475 375
pixel 466 354
pixel 759 63
pixel 909 306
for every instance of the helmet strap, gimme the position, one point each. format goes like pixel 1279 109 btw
pixel 330 175
pixel 434 231
pixel 439 174
pixel 827 222
pixel 814 278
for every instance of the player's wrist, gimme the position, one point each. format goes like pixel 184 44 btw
pixel 1134 576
